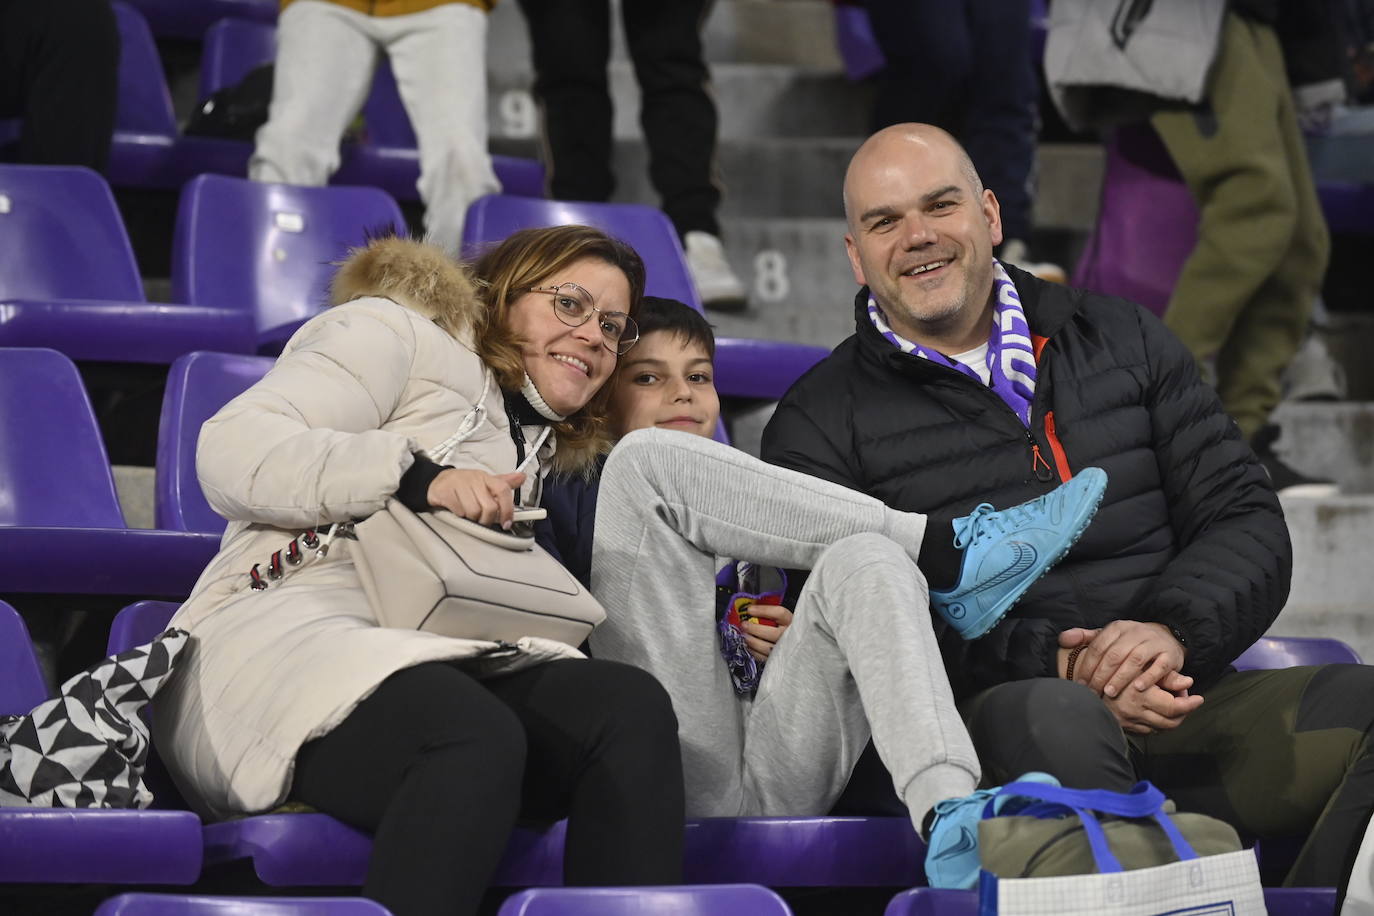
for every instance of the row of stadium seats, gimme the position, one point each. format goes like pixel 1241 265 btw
pixel 706 900
pixel 251 262
pixel 149 151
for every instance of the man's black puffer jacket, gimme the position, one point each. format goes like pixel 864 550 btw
pixel 1190 533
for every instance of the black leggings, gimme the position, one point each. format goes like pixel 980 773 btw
pixel 438 765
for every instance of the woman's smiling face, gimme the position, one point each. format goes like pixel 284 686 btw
pixel 569 364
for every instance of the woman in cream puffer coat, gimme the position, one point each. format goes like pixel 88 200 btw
pixel 290 690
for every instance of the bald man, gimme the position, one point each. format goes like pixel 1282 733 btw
pixel 968 380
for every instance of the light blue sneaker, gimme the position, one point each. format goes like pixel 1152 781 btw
pixel 1005 552
pixel 952 850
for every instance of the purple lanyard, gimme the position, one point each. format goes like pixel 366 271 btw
pixel 1010 357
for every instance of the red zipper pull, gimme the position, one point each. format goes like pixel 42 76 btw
pixel 1038 461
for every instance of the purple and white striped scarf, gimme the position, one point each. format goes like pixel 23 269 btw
pixel 1011 358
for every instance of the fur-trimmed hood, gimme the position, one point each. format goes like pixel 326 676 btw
pixel 424 279
pixel 420 277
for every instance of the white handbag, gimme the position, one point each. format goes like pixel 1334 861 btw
pixel 443 574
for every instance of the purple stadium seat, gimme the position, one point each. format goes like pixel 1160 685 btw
pixel 1348 207
pixel 270 249
pixel 142 149
pixel 289 850
pixel 745 368
pixel 386 159
pixel 1279 901
pixel 190 18
pixel 1290 651
pixel 1146 223
pixel 65 845
pixel 61 529
pixel 698 900
pixel 68 277
pixel 141 904
pixel 198 385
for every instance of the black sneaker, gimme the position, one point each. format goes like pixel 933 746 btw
pixel 1286 480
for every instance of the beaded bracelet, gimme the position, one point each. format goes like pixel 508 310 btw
pixel 1073 657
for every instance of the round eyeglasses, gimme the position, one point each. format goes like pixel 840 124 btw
pixel 573 305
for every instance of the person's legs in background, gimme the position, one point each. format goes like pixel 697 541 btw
pixel 1234 154
pixel 325 57
pixel 571 43
pixel 59 63
pixel 439 59
pixel 680 124
pixel 965 65
pixel 1000 123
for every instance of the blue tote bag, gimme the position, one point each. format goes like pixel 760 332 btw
pixel 1167 875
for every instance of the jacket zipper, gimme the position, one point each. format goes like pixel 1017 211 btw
pixel 1040 467
pixel 517 434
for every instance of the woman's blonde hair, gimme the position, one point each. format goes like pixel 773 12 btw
pixel 529 258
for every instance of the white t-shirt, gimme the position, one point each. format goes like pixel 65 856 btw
pixel 977 360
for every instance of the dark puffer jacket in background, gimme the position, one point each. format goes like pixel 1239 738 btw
pixel 1190 533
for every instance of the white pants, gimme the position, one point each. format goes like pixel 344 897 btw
pixel 860 649
pixel 326 55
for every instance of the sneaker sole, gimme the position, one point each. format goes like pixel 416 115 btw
pixel 1037 574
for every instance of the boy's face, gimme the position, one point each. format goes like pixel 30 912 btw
pixel 665 382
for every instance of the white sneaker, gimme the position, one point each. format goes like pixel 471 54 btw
pixel 716 283
pixel 1014 251
pixel 1314 374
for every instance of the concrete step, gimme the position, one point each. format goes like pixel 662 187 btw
pixel 1349 337
pixel 803 176
pixel 752 99
pixel 796 32
pixel 1329 441
pixel 1333 581
pixel 801 287
pixel 135 488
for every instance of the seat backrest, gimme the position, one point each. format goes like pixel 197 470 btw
pixel 198 385
pixel 146 904
pixel 53 466
pixel 61 236
pixel 21 681
pixel 694 900
pixel 144 103
pixel 270 248
pixel 1146 223
pixel 490 219
pixel 139 623
pixel 233 47
pixel 1271 652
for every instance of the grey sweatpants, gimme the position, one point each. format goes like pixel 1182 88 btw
pixel 860 649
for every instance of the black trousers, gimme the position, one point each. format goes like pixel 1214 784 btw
pixel 438 766
pixel 59 64
pixel 571 42
pixel 1274 753
pixel 965 65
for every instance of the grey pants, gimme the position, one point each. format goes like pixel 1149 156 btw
pixel 860 649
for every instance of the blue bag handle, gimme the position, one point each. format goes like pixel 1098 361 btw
pixel 1144 800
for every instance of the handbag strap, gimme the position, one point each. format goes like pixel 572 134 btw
pixel 1143 801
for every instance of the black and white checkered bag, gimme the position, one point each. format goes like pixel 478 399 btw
pixel 87 748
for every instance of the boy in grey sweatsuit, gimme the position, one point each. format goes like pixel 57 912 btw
pixel 857 652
